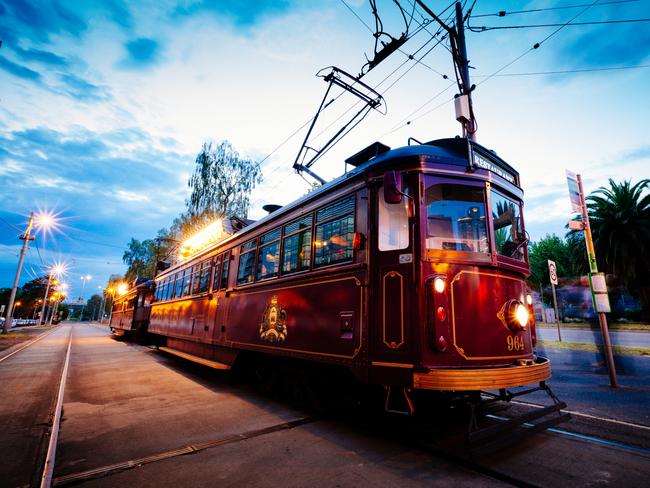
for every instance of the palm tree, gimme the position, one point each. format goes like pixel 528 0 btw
pixel 620 224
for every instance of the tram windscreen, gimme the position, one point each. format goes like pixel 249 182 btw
pixel 509 238
pixel 456 218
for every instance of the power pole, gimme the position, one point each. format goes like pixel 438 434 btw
pixel 463 101
pixel 42 319
pixel 26 237
pixel 593 266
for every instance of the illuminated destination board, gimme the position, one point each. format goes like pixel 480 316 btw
pixel 484 163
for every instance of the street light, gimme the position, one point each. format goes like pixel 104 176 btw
pixel 57 269
pixel 84 278
pixel 42 221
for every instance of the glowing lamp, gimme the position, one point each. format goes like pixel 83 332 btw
pixel 122 288
pixel 529 299
pixel 521 315
pixel 209 235
pixel 439 285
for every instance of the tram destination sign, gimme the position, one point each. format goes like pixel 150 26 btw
pixel 484 163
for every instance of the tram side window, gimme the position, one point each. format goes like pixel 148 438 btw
pixel 204 282
pixel 393 228
pixel 508 231
pixel 178 289
pixel 224 270
pixel 456 218
pixel 215 276
pixel 247 263
pixel 187 283
pixel 296 254
pixel 169 288
pixel 196 279
pixel 268 261
pixel 333 242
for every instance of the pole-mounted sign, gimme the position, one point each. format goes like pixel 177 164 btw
pixel 552 271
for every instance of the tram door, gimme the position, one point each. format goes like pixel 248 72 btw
pixel 392 269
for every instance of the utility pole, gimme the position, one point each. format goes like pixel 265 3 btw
pixel 26 237
pixel 596 280
pixel 42 318
pixel 463 101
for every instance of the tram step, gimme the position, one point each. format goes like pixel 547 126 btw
pixel 196 359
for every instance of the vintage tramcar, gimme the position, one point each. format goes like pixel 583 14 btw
pixel 409 270
pixel 130 310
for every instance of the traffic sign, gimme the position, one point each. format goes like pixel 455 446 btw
pixel 552 271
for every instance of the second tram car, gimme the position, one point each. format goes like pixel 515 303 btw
pixel 130 311
pixel 409 270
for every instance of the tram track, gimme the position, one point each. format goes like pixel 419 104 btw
pixel 22 347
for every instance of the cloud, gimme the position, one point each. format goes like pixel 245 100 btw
pixel 40 56
pixel 141 53
pixel 636 154
pixel 83 90
pixel 240 12
pixel 38 21
pixel 19 70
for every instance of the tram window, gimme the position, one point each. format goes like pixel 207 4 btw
pixel 268 261
pixel 333 243
pixel 178 290
pixel 224 270
pixel 215 276
pixel 456 218
pixel 204 282
pixel 246 270
pixel 393 226
pixel 296 247
pixel 508 231
pixel 196 278
pixel 187 283
pixel 169 288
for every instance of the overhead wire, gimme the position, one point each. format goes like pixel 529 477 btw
pixel 570 71
pixel 503 13
pixel 532 26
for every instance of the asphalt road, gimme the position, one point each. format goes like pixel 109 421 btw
pixel 619 338
pixel 131 412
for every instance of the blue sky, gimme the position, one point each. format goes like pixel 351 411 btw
pixel 104 105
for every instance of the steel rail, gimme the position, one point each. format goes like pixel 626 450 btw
pixel 112 469
pixel 586 415
pixel 48 468
pixel 584 437
pixel 25 346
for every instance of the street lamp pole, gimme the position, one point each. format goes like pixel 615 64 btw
pixel 26 237
pixel 41 320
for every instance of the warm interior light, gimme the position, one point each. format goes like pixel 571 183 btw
pixel 521 315
pixel 122 288
pixel 529 299
pixel 441 313
pixel 207 236
pixel 439 285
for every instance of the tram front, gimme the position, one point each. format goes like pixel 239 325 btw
pixel 479 323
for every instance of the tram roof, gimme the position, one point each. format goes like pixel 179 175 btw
pixel 454 151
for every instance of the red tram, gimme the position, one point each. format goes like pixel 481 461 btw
pixel 409 271
pixel 130 311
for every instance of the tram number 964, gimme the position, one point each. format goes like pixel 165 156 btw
pixel 515 343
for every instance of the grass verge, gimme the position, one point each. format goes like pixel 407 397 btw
pixel 579 346
pixel 631 326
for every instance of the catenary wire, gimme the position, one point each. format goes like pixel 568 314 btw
pixel 503 13
pixel 570 71
pixel 532 26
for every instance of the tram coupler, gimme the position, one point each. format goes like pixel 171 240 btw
pixel 398 401
pixel 512 429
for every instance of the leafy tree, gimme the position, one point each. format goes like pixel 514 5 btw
pixel 142 256
pixel 93 307
pixel 549 247
pixel 221 184
pixel 620 224
pixel 575 241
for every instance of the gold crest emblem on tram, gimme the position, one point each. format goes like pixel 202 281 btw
pixel 273 327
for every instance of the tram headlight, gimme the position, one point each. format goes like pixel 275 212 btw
pixel 521 315
pixel 529 299
pixel 439 285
